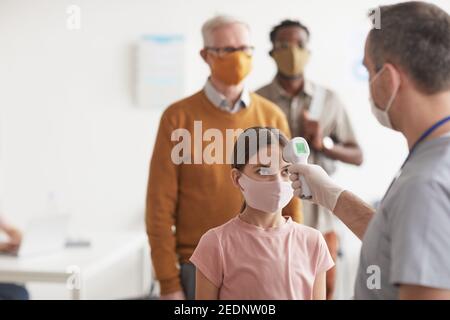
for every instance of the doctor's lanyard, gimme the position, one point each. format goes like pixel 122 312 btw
pixel 422 137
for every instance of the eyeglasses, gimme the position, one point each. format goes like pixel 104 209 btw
pixel 222 52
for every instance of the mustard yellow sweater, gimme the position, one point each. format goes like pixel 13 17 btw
pixel 196 197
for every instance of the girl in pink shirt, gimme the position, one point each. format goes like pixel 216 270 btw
pixel 261 254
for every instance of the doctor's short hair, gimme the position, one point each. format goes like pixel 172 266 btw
pixel 414 35
pixel 251 141
pixel 216 22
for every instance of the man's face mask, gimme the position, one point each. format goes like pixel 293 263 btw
pixel 291 60
pixel 382 115
pixel 232 68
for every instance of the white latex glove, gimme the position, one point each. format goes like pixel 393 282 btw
pixel 324 190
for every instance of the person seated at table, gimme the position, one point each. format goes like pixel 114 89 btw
pixel 10 291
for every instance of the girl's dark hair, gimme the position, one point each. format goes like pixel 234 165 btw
pixel 251 141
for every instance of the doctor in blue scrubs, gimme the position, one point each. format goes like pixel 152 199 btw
pixel 406 242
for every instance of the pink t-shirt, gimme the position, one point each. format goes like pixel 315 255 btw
pixel 248 262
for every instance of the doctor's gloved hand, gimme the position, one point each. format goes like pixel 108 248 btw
pixel 324 190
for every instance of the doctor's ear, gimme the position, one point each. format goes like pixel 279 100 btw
pixel 235 175
pixel 394 75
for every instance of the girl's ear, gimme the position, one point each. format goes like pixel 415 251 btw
pixel 235 175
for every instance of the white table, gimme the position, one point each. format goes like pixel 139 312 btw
pixel 76 267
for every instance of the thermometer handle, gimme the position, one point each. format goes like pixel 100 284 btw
pixel 306 192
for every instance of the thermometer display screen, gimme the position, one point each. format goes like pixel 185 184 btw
pixel 300 148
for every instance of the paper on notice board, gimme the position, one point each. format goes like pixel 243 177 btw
pixel 160 70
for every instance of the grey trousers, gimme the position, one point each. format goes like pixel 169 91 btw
pixel 187 273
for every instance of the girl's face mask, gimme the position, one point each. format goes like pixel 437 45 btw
pixel 266 196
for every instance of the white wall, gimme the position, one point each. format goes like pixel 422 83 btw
pixel 71 132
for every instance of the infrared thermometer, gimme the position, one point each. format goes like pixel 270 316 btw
pixel 297 151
